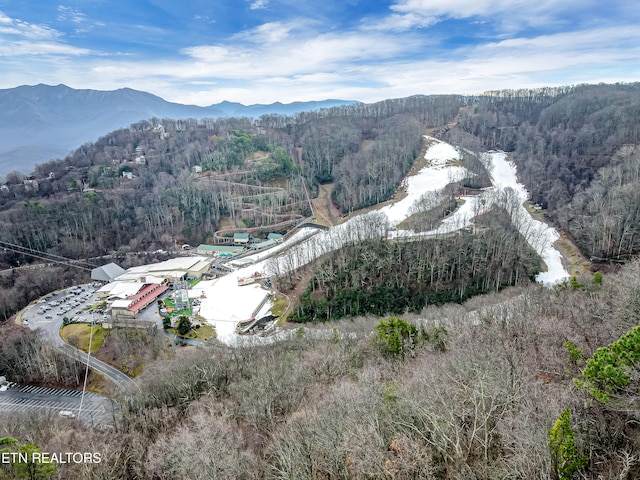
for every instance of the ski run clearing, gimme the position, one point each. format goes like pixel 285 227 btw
pixel 225 303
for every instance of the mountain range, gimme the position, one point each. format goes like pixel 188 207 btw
pixel 42 122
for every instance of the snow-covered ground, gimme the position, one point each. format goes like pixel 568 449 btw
pixel 226 303
pixel 434 177
pixel 538 234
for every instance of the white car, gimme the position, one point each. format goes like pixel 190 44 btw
pixel 67 414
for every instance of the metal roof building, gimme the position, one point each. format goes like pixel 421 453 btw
pixel 264 244
pixel 218 249
pixel 241 238
pixel 275 236
pixel 107 273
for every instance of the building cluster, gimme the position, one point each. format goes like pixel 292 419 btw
pixel 128 292
pixel 241 242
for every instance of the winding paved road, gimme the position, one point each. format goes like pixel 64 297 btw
pixel 50 331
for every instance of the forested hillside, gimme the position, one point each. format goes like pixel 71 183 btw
pixel 577 153
pixel 480 390
pixel 521 382
pixel 141 188
pixel 88 208
pixel 575 147
pixel 380 277
pixel 36 120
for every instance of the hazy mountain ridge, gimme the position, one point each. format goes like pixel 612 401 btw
pixel 41 122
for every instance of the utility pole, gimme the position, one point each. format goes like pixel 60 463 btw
pixel 86 371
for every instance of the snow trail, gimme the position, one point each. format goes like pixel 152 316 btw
pixel 226 303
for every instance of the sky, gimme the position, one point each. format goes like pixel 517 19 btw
pixel 203 52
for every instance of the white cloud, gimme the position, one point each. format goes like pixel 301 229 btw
pixel 203 18
pixel 271 32
pixel 19 38
pixel 400 22
pixel 293 60
pixel 512 15
pixel 295 56
pixel 15 27
pixel 341 66
pixel 70 14
pixel 259 4
pixel 14 49
pixel 466 9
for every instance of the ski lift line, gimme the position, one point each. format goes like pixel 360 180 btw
pixel 50 260
pixel 46 255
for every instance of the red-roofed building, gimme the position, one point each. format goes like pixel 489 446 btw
pixel 137 302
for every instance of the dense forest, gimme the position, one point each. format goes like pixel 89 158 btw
pixel 575 148
pixel 88 208
pixel 577 153
pixel 380 277
pixel 525 383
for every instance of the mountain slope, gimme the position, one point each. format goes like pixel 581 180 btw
pixel 40 122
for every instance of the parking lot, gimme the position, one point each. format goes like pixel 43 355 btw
pixel 27 399
pixel 75 304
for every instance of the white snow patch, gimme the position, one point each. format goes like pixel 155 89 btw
pixel 431 178
pixel 538 234
pixel 226 303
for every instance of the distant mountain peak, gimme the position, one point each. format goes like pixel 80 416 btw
pixel 58 118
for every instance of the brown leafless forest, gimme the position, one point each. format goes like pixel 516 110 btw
pixel 476 401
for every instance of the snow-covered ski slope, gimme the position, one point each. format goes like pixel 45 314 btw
pixel 432 178
pixel 538 234
pixel 226 303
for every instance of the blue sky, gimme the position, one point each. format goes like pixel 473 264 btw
pixel 261 51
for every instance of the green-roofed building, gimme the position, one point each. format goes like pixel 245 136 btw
pixel 241 238
pixel 275 236
pixel 264 244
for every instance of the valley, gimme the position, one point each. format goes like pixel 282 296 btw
pixel 427 307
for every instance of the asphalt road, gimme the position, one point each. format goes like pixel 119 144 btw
pixel 96 409
pixel 49 323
